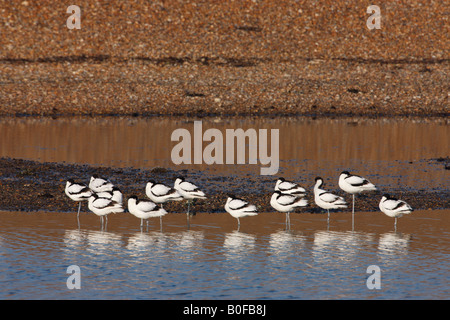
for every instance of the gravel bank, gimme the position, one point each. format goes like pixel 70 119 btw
pixel 224 57
pixel 31 186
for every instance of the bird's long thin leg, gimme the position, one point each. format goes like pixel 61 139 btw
pixel 328 219
pixel 78 215
pixel 188 221
pixel 395 224
pixel 288 221
pixel 160 223
pixel 187 214
pixel 353 207
pixel 289 216
pixel 353 214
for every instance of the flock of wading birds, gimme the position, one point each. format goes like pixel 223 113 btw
pixel 104 198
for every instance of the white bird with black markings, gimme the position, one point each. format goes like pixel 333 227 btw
pixel 239 208
pixel 144 209
pixel 354 184
pixel 77 192
pixel 394 208
pixel 327 200
pixel 188 191
pixel 286 203
pixel 160 193
pixel 103 206
pixel 289 187
pixel 99 184
pixel 115 194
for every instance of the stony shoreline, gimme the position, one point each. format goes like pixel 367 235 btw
pixel 34 186
pixel 224 58
pixel 288 89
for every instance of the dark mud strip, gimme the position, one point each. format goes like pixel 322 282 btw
pixel 31 186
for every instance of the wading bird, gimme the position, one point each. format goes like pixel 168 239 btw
pixel 394 208
pixel 286 203
pixel 160 193
pixel 326 200
pixel 98 184
pixel 145 209
pixel 103 206
pixel 77 192
pixel 354 184
pixel 239 208
pixel 289 187
pixel 188 191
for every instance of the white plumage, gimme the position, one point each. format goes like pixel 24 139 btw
pixel 188 190
pixel 394 208
pixel 354 184
pixel 160 193
pixel 144 210
pixel 289 187
pixel 326 200
pixel 286 203
pixel 103 198
pixel 103 206
pixel 77 192
pixel 115 194
pixel 98 184
pixel 239 208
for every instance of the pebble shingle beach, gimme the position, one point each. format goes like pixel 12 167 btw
pixel 224 57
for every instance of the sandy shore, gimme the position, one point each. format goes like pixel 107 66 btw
pixel 224 57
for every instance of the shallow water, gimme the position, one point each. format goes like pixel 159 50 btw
pixel 393 153
pixel 212 260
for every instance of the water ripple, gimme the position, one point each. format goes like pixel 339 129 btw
pixel 216 264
